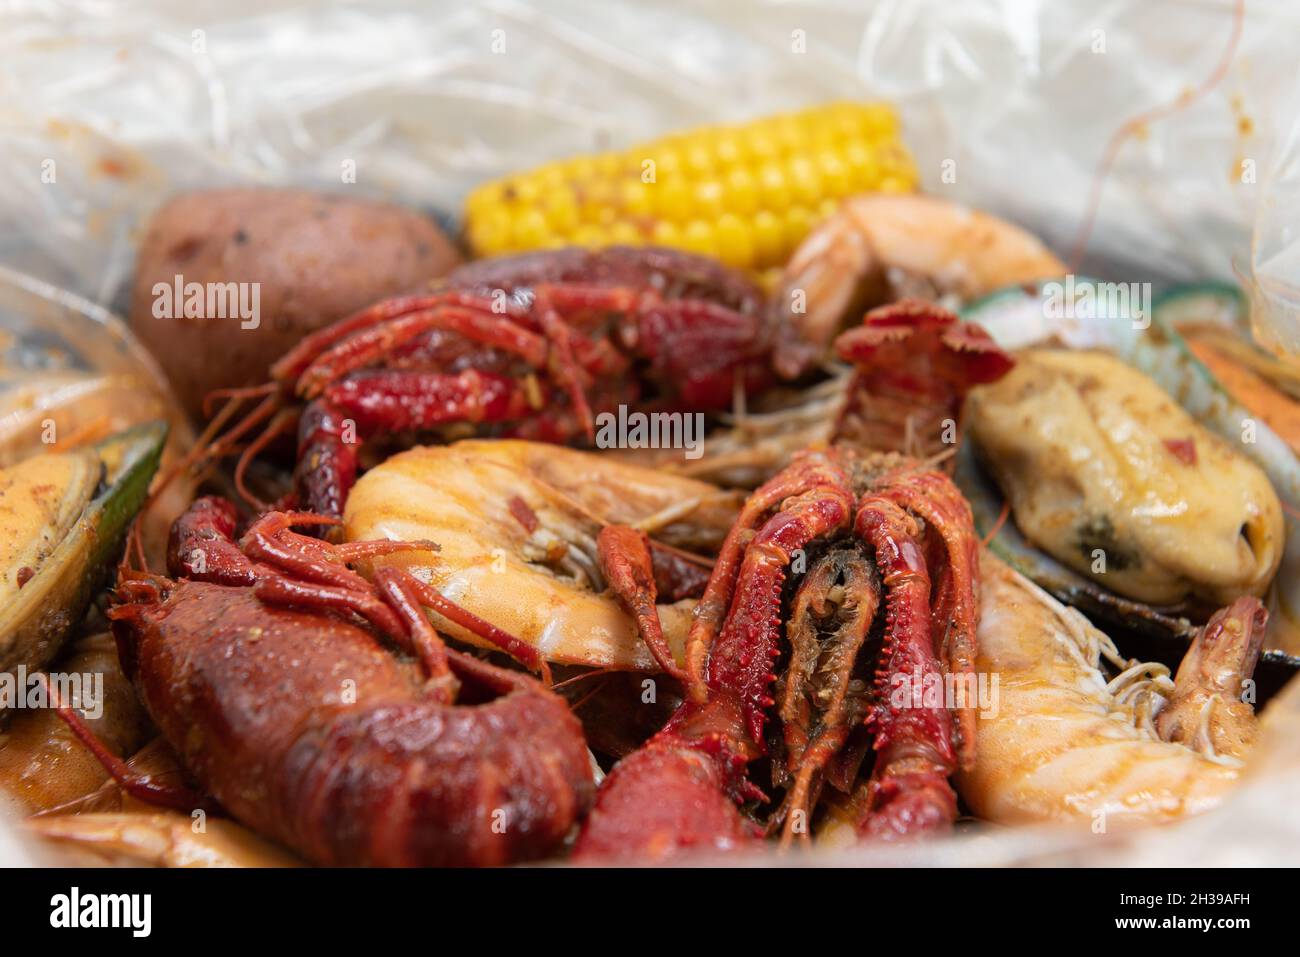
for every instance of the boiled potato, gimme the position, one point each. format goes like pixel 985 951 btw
pixel 316 257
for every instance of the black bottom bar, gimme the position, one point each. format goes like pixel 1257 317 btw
pixel 598 908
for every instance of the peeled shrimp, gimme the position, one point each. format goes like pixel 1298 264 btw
pixel 41 763
pixel 1062 742
pixel 162 839
pixel 108 825
pixel 517 524
pixel 882 247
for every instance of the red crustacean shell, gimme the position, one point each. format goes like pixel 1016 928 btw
pixel 303 726
pixel 688 809
pixel 915 362
pixel 962 352
pixel 530 346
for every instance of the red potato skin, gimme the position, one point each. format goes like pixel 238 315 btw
pixel 318 257
pixel 307 730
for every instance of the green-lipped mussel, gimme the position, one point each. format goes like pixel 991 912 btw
pixel 63 518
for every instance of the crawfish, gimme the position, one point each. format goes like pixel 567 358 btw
pixel 876 530
pixel 263 662
pixel 910 365
pixel 532 346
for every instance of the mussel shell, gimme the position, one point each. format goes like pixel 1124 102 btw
pixel 48 607
pixel 1105 607
pixel 1143 336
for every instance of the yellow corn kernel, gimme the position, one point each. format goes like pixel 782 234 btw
pixel 491 233
pixel 638 198
pixel 881 121
pixel 792 134
pixel 665 162
pixel 523 190
pixel 699 160
pixel 740 191
pixel 529 229
pixel 665 233
pixel 805 180
pixel 769 238
pixel 799 221
pixel 834 171
pixel 672 199
pixel 484 201
pixel 561 211
pixel 590 235
pixel 735 244
pixel 608 166
pixel 729 148
pixel 625 234
pixel 769 279
pixel 698 237
pixel 708 201
pixel 773 188
pixel 763 146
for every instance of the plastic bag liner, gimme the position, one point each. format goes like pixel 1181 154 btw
pixel 1008 105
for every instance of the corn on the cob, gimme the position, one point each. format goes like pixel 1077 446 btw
pixel 747 194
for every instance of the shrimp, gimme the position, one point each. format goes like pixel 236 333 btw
pixel 879 248
pixel 519 527
pixel 1062 742
pixel 110 826
pixel 41 762
pixel 161 839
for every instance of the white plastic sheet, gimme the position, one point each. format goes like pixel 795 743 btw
pixel 1014 99
pixel 107 109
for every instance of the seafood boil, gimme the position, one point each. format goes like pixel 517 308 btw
pixel 943 562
